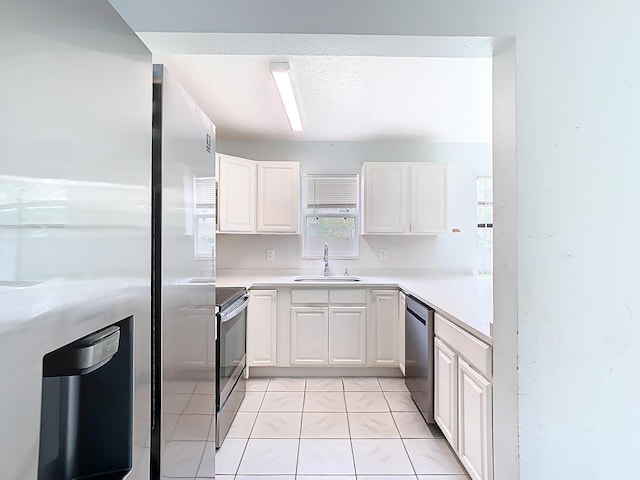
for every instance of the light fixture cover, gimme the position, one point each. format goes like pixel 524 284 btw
pixel 280 72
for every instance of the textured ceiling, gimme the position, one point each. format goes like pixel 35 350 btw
pixel 342 98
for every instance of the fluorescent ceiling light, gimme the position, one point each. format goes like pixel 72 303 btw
pixel 281 75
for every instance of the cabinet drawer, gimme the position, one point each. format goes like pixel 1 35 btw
pixel 310 296
pixel 476 352
pixel 347 295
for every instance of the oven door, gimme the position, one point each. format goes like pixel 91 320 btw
pixel 231 347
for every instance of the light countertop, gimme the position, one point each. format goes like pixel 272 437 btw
pixel 466 300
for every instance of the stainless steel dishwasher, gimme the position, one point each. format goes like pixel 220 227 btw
pixel 419 355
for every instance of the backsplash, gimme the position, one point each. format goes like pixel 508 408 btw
pixel 403 252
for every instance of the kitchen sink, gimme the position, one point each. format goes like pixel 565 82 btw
pixel 330 278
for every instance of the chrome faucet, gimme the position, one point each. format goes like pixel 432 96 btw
pixel 325 258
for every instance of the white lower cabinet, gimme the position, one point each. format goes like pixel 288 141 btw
pixel 474 422
pixel 347 335
pixel 446 391
pixel 344 327
pixel 329 327
pixel 261 328
pixel 309 335
pixel 385 330
pixel 463 405
pixel 402 306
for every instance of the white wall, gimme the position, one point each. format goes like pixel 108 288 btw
pixel 454 252
pixel 577 96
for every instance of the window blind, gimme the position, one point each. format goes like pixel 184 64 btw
pixel 331 191
pixel 205 190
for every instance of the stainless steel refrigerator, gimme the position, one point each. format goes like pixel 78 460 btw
pixel 183 284
pixel 75 155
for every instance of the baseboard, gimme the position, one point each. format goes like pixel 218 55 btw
pixel 324 372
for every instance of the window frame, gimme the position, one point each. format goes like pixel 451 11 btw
pixel 197 214
pixel 319 213
pixel 485 231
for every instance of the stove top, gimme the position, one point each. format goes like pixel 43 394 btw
pixel 225 296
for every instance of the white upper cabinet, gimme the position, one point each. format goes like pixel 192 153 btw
pixel 385 198
pixel 257 197
pixel 429 199
pixel 278 197
pixel 405 198
pixel 237 194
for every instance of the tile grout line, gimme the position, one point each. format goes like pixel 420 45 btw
pixel 353 453
pixel 304 399
pixel 178 421
pixel 347 413
pixel 384 392
pixel 244 450
pixel 400 435
pixel 203 452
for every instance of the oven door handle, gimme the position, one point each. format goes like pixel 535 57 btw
pixel 228 315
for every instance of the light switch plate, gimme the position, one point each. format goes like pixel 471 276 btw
pixel 271 254
pixel 382 253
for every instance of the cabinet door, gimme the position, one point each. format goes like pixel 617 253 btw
pixel 402 305
pixel 429 203
pixel 309 335
pixel 385 195
pixel 446 391
pixel 385 327
pixel 347 335
pixel 278 197
pixel 236 194
pixel 261 328
pixel 474 422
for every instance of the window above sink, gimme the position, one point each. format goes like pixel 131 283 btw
pixel 330 215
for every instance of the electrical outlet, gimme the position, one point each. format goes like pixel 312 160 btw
pixel 271 254
pixel 382 254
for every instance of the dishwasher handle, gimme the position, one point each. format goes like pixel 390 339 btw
pixel 419 310
pixel 409 314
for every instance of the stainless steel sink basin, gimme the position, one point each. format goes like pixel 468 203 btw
pixel 330 278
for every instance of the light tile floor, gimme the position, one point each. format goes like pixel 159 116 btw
pixel 306 429
pixel 330 429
